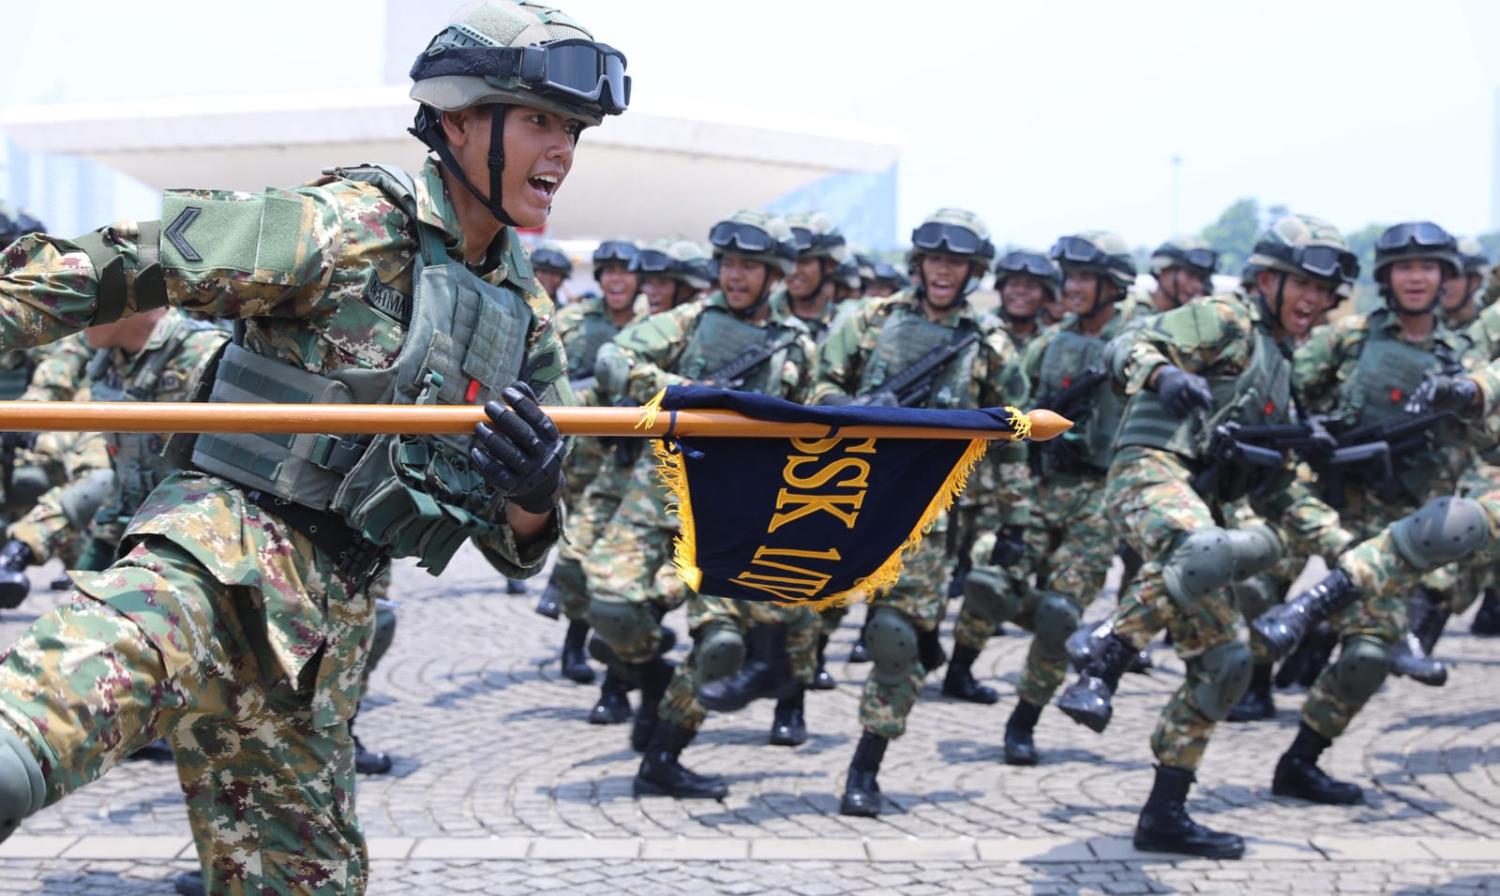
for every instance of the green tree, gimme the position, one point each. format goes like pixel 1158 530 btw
pixel 1233 234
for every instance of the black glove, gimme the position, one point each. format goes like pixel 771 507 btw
pixel 11 441
pixel 1457 394
pixel 519 450
pixel 1010 546
pixel 1181 391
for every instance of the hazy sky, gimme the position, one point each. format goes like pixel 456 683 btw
pixel 1043 117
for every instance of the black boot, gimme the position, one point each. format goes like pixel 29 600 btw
pixel 1257 702
pixel 1298 775
pixel 1019 747
pixel 189 883
pixel 653 677
pixel 1141 664
pixel 1283 626
pixel 860 652
pixel 661 774
pixel 1087 700
pixel 367 762
pixel 1487 619
pixel 1306 663
pixel 548 605
pixel 766 673
pixel 1084 643
pixel 1164 825
pixel 930 651
pixel 822 681
pixel 1426 616
pixel 575 663
pixel 14 585
pixel 960 683
pixel 613 707
pixel 861 789
pixel 789 726
pixel 1409 659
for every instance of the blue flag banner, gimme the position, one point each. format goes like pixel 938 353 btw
pixel 820 521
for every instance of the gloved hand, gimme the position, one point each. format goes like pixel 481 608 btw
pixel 1010 546
pixel 519 451
pixel 14 585
pixel 1181 391
pixel 1457 394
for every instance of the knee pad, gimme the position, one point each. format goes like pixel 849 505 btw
pixel 1219 677
pixel 892 642
pixel 1202 563
pixel 718 651
pixel 22 788
pixel 991 594
pixel 1256 595
pixel 1441 531
pixel 1055 620
pixel 82 499
pixel 1361 668
pixel 27 485
pixel 622 623
pixel 1256 550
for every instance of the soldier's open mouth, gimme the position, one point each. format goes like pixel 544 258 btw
pixel 544 184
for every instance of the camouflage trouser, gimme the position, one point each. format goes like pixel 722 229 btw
pixel 595 485
pixel 157 646
pixel 1266 590
pixel 47 527
pixel 920 596
pixel 680 706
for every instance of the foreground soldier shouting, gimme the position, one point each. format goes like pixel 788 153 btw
pixel 237 622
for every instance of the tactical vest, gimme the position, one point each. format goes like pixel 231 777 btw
pixel 1070 354
pixel 720 338
pixel 410 495
pixel 906 336
pixel 594 330
pixel 137 456
pixel 1261 393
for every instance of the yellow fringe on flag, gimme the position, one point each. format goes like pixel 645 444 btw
pixel 650 409
pixel 685 547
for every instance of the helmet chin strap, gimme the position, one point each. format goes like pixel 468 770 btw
pixel 925 299
pixel 428 129
pixel 765 294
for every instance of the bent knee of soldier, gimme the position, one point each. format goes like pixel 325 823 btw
pixel 892 641
pixel 628 627
pixel 718 650
pixel 1361 668
pixel 1055 620
pixel 1441 531
pixel 1218 678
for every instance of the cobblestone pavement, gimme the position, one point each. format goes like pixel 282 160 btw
pixel 501 787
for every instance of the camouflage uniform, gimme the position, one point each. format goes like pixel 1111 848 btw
pixel 52 372
pixel 988 374
pixel 222 626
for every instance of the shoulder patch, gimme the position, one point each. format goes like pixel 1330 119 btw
pixel 384 297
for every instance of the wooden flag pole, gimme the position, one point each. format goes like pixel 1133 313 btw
pixel 358 419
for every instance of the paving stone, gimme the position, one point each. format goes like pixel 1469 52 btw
pixel 470 848
pixel 815 849
pixel 921 850
pixel 586 848
pixel 700 849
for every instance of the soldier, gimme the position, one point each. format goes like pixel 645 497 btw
pixel 734 327
pixel 967 362
pixel 884 280
pixel 1483 338
pixel 673 272
pixel 1184 268
pixel 808 290
pixel 1026 281
pixel 552 267
pixel 1460 303
pixel 237 620
pixel 1066 367
pixel 1234 355
pixel 1363 370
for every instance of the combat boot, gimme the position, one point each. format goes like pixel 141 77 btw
pixel 367 762
pixel 1141 663
pixel 1409 659
pixel 653 677
pixel 1306 663
pixel 766 672
pixel 1019 747
pixel 822 681
pixel 930 651
pixel 1487 619
pixel 613 707
pixel 860 652
pixel 1283 627
pixel 1297 773
pixel 1084 643
pixel 575 663
pixel 548 604
pixel 861 789
pixel 1426 616
pixel 1257 702
pixel 1165 826
pixel 788 725
pixel 960 683
pixel 1087 700
pixel 15 557
pixel 662 774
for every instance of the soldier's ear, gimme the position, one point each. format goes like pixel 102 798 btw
pixel 459 125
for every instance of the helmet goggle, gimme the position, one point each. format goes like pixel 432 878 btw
pixel 1075 250
pixel 651 261
pixel 615 250
pixel 736 236
pixel 1033 263
pixel 1323 262
pixel 935 236
pixel 1421 234
pixel 886 274
pixel 551 259
pixel 804 240
pixel 1206 260
pixel 572 69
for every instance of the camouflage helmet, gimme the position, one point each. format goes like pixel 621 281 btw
pixel 1185 252
pixel 1306 246
pixel 865 263
pixel 1416 240
pixel 1025 261
pixel 954 231
pixel 1098 252
pixel 814 235
pixel 1474 259
pixel 550 256
pixel 848 273
pixel 678 259
pixel 527 54
pixel 757 236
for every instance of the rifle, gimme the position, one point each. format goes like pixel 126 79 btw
pixel 733 374
pixel 10 443
pixel 1383 443
pixel 1072 401
pixel 912 385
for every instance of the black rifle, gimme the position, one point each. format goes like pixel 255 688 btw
pixel 1074 402
pixel 912 385
pixel 734 374
pixel 10 443
pixel 1379 447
